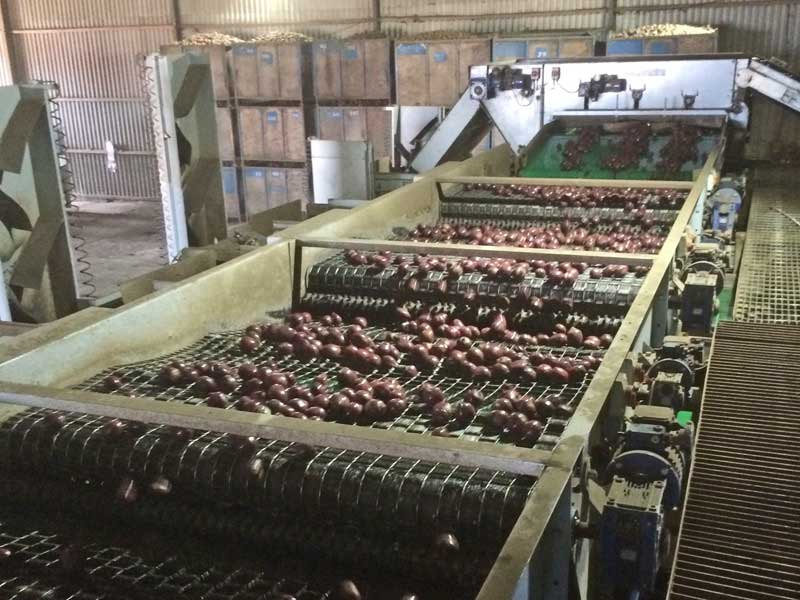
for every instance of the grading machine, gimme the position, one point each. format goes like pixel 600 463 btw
pixel 481 385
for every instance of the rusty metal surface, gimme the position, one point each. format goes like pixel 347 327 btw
pixel 741 525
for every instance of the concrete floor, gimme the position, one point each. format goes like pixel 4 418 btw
pixel 123 240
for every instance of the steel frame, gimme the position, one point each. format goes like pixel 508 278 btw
pixel 148 326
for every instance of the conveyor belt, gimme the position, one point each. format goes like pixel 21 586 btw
pixel 740 535
pixel 768 285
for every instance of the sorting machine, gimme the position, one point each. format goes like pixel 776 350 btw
pixel 461 394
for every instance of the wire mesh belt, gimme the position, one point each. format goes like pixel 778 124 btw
pixel 55 559
pixel 42 565
pixel 334 275
pixel 768 283
pixel 286 499
pixel 142 380
pixel 740 536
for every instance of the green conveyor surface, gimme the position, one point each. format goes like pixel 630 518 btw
pixel 546 160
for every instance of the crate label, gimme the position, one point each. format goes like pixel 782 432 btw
pixel 257 173
pixel 272 116
pixel 228 181
pixel 440 56
pixel 335 114
pixel 296 114
pixel 242 50
pixel 267 58
pixel 541 52
pixel 407 49
pixel 350 53
pixel 276 173
pixel 354 112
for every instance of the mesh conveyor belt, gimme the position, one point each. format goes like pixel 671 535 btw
pixel 768 282
pixel 335 275
pixel 356 487
pixel 740 536
pixel 141 379
pixel 36 571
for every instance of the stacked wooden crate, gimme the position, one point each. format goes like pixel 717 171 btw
pixel 433 70
pixel 353 90
pixel 272 117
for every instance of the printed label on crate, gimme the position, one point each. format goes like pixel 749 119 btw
pixel 353 112
pixel 272 116
pixel 253 172
pixel 295 114
pixel 350 53
pixel 541 52
pixel 335 114
pixel 405 49
pixel 267 58
pixel 276 173
pixel 243 50
pixel 326 47
pixel 440 56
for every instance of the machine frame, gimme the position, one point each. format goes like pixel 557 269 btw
pixel 535 559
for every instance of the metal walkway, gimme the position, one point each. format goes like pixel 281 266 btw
pixel 740 533
pixel 768 284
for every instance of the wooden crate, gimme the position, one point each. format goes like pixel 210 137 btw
pixel 225 134
pixel 218 60
pixel 270 187
pixel 704 43
pixel 352 69
pixel 356 124
pixel 269 72
pixel 436 73
pixel 701 43
pixel 272 133
pixel 575 46
pixel 542 46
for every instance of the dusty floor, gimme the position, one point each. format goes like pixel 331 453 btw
pixel 123 240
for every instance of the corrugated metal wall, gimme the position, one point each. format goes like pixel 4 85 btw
pixel 6 77
pixel 405 17
pixel 92 49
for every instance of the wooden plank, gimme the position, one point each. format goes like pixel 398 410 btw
pixel 379 131
pixel 327 70
pixel 290 71
pixel 353 64
pixel 225 133
pixel 274 136
pixel 443 65
pixel 269 81
pixel 251 133
pixel 277 190
pixel 377 68
pixel 330 123
pixel 245 70
pixel 294 131
pixel 355 124
pixel 411 66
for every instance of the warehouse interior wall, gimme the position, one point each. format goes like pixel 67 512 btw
pixel 93 50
